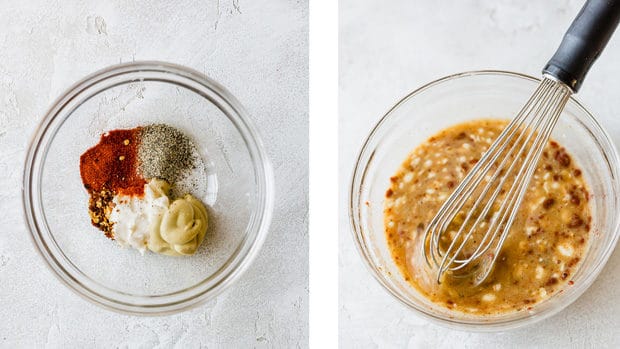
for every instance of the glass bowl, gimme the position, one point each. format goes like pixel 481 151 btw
pixel 237 189
pixel 459 98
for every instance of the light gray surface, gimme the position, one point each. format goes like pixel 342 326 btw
pixel 258 50
pixel 387 51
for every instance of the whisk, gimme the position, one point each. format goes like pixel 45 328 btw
pixel 488 198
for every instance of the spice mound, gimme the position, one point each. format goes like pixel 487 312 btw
pixel 129 175
pixel 546 243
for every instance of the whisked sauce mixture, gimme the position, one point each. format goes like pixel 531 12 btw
pixel 543 249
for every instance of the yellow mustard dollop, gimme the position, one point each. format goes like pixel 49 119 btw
pixel 181 227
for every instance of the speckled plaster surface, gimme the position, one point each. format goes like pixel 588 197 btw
pixel 388 49
pixel 258 50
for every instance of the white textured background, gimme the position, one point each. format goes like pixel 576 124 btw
pixel 388 49
pixel 258 50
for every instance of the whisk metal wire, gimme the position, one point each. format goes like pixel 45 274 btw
pixel 518 147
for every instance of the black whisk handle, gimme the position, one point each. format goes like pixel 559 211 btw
pixel 584 41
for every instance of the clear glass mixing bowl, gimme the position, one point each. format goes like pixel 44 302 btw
pixel 237 188
pixel 459 98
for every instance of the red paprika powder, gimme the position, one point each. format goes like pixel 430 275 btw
pixel 112 164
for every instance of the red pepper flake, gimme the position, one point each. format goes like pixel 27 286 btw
pixel 461 135
pixel 551 281
pixel 389 193
pixel 562 158
pixel 548 203
pixel 572 262
pixel 571 282
pixel 577 173
pixel 575 221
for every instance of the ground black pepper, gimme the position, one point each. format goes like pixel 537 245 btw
pixel 165 153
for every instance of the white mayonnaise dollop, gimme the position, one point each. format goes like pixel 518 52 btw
pixel 133 217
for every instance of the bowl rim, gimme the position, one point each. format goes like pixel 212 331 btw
pixel 235 265
pixel 354 213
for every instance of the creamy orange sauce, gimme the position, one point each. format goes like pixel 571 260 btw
pixel 546 242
